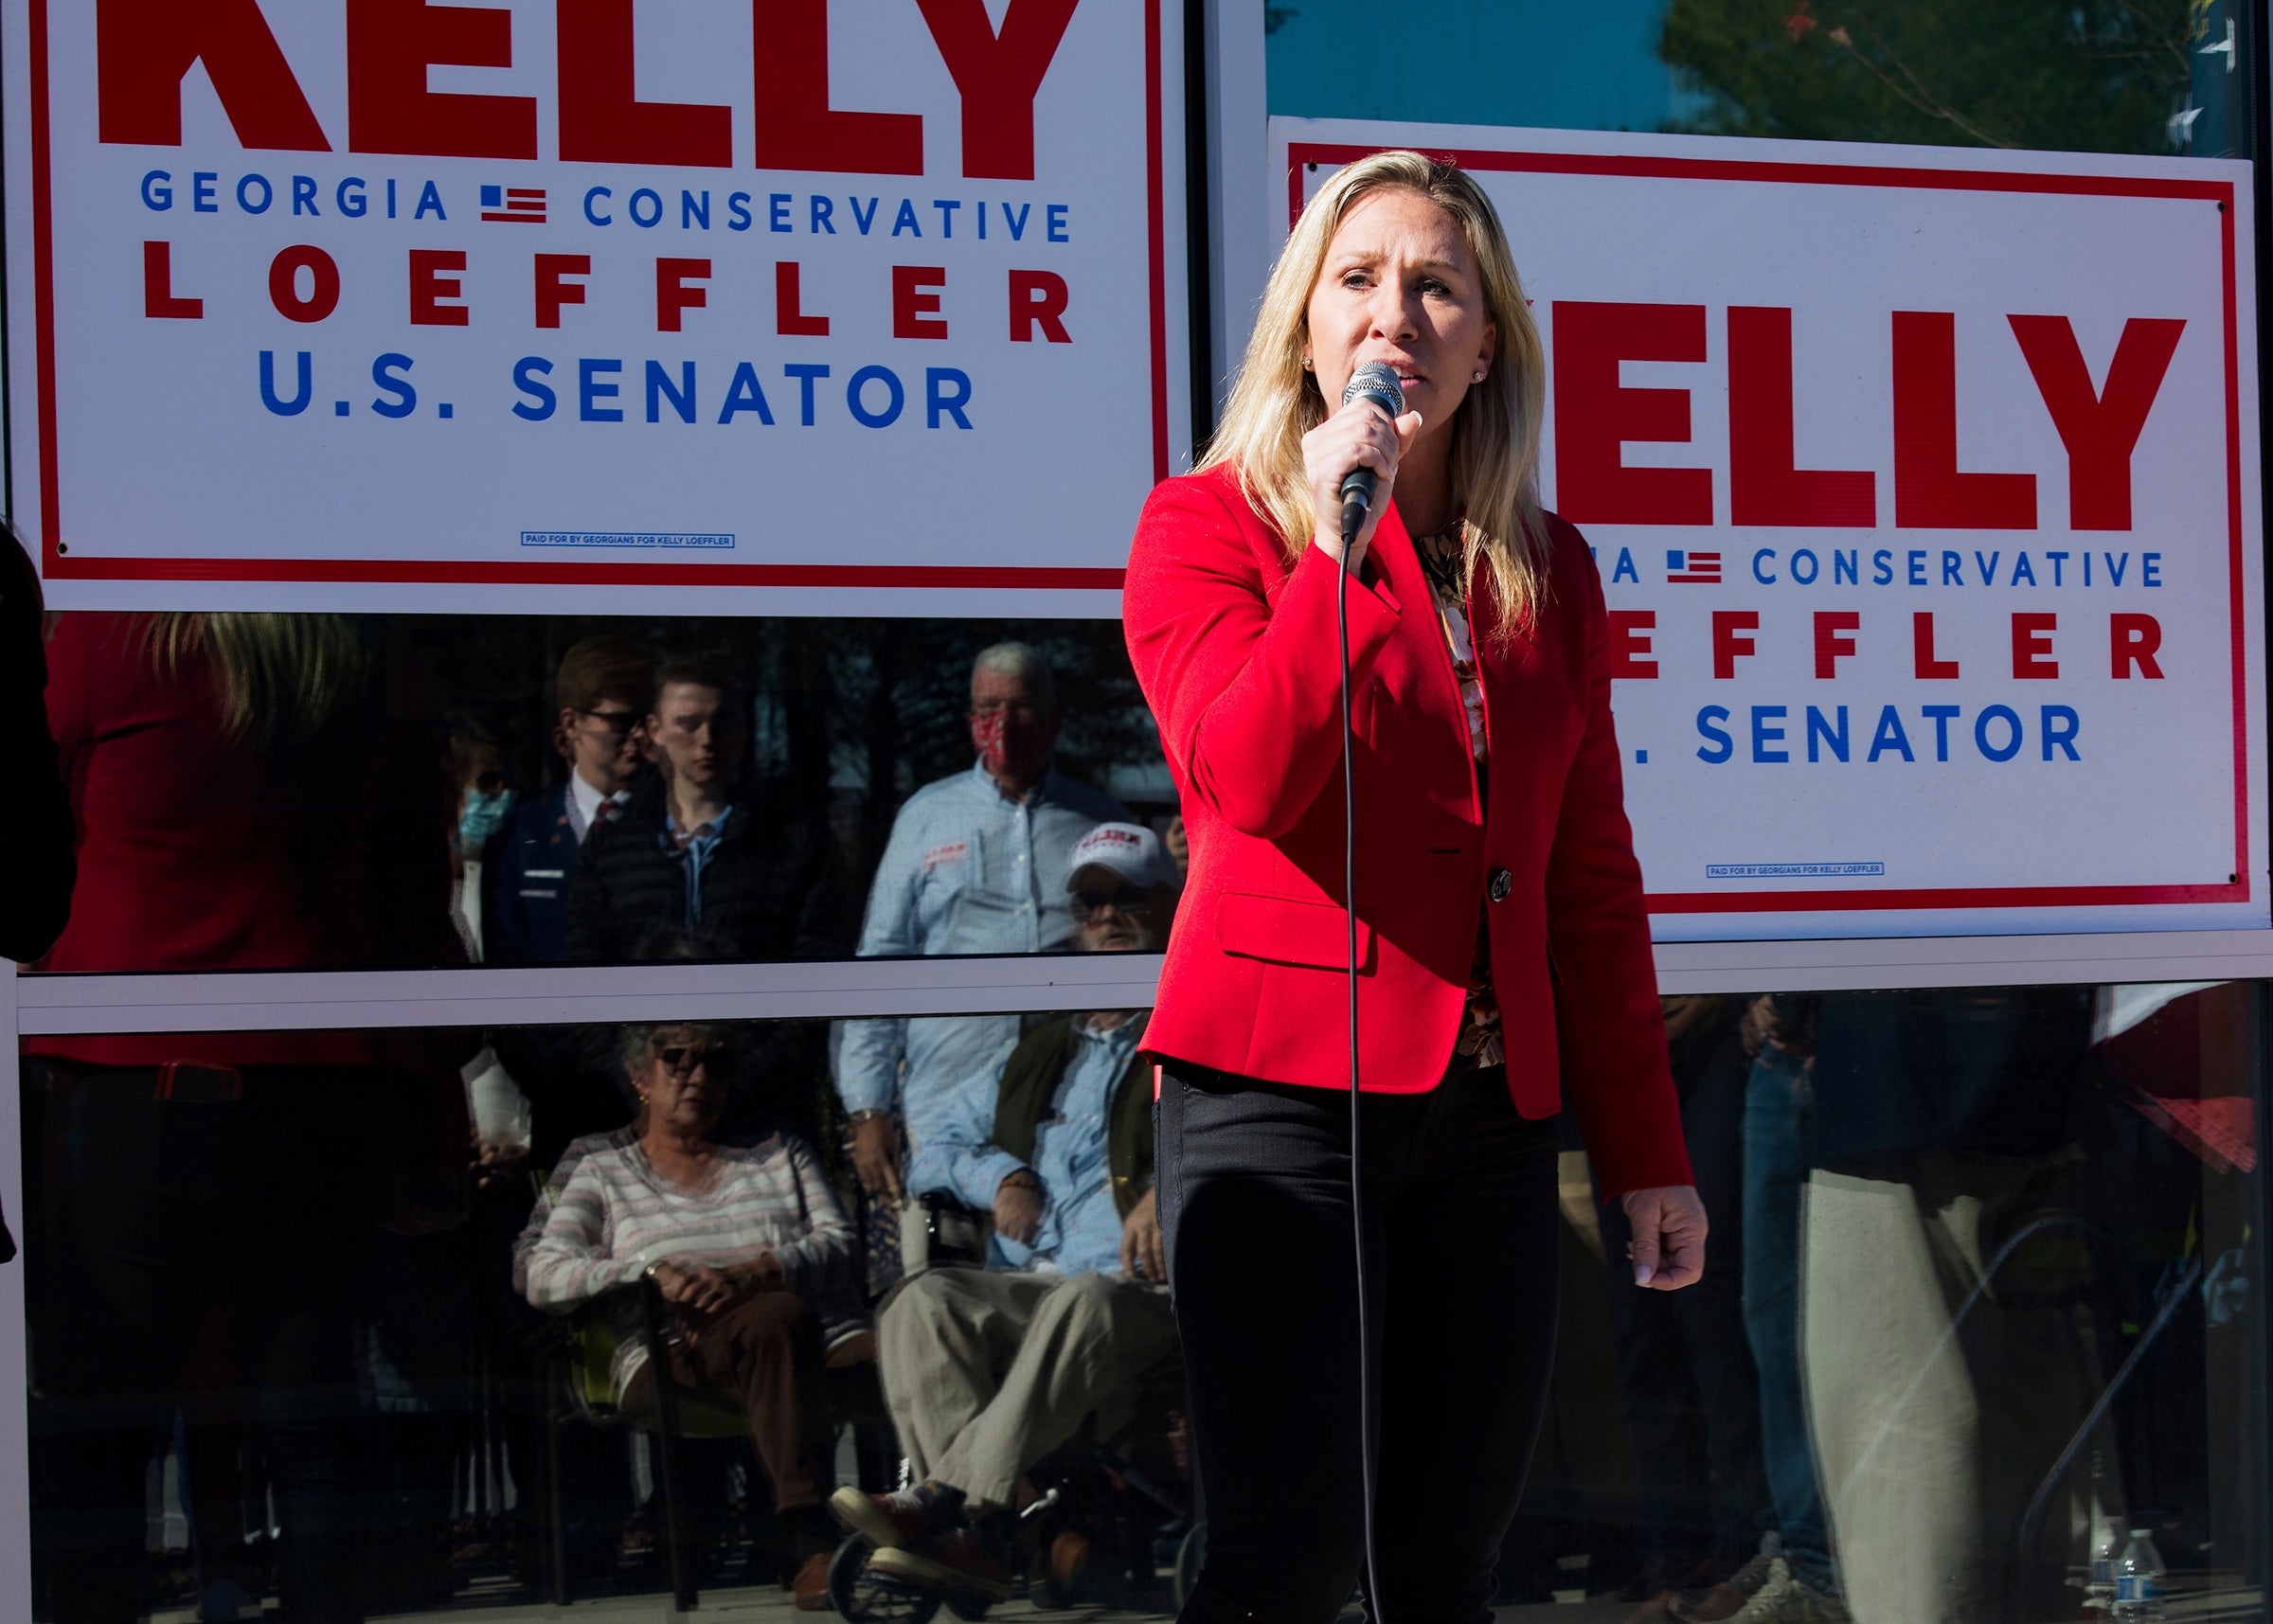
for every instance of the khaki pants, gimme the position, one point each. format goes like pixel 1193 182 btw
pixel 1932 1433
pixel 986 1373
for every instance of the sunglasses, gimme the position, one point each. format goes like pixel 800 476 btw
pixel 681 1059
pixel 1088 904
pixel 615 721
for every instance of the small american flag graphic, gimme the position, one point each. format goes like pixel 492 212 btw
pixel 1689 568
pixel 522 204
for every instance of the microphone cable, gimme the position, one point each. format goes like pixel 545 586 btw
pixel 1354 518
pixel 1377 383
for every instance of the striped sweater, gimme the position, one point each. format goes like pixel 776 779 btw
pixel 607 1214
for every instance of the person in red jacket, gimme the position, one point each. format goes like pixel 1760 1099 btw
pixel 249 794
pixel 1504 953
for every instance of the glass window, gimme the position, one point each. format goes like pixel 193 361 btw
pixel 1978 1308
pixel 2106 77
pixel 263 791
pixel 403 1321
pixel 1973 1314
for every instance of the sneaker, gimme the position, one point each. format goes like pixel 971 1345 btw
pixel 957 1560
pixel 885 1521
pixel 1788 1599
pixel 1726 1597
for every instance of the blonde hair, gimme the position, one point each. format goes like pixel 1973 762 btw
pixel 1496 444
pixel 283 677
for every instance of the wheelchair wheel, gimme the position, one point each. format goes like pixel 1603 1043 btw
pixel 1188 1562
pixel 861 1596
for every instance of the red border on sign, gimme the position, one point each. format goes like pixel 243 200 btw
pixel 2220 192
pixel 63 567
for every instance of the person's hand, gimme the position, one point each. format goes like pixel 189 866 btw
pixel 696 1288
pixel 1668 1248
pixel 494 1164
pixel 1758 1025
pixel 1142 1254
pixel 1017 1209
pixel 1178 844
pixel 1357 435
pixel 762 1273
pixel 876 1156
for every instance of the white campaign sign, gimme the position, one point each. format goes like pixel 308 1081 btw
pixel 382 301
pixel 1923 488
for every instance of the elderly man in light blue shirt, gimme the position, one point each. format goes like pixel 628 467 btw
pixel 976 863
pixel 988 1370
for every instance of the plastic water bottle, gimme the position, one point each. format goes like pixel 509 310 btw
pixel 2138 1582
pixel 2098 1594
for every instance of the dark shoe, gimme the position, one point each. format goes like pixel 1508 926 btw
pixel 809 1591
pixel 1724 1599
pixel 1663 1573
pixel 957 1560
pixel 888 1522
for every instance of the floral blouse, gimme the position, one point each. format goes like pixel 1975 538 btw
pixel 1442 557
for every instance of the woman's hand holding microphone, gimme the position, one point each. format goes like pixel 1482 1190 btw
pixel 1358 435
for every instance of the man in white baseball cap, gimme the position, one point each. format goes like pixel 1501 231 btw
pixel 1072 1305
pixel 1124 885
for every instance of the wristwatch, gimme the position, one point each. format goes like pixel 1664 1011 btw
pixel 854 1118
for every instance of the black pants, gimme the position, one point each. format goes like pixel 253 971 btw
pixel 1688 1392
pixel 244 1224
pixel 1461 1259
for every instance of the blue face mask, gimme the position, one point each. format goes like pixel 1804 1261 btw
pixel 482 816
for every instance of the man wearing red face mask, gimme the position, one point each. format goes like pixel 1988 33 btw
pixel 976 864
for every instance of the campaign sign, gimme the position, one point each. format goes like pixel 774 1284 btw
pixel 609 293
pixel 1923 485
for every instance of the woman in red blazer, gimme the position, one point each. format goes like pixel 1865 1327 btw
pixel 1503 949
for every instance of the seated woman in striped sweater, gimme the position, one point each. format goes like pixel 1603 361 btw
pixel 747 1240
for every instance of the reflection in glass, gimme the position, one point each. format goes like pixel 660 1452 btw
pixel 410 1331
pixel 977 863
pixel 2104 76
pixel 357 1321
pixel 1969 1233
pixel 265 792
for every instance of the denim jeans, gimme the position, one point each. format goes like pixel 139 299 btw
pixel 1462 1262
pixel 1779 1131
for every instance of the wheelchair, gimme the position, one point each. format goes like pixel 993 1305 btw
pixel 1112 1516
pixel 583 1350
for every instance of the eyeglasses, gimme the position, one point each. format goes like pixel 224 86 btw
pixel 1088 904
pixel 681 1059
pixel 615 721
pixel 1024 709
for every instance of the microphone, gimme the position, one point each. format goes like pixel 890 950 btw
pixel 1377 382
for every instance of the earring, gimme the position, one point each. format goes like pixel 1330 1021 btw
pixel 1479 376
pixel 1307 366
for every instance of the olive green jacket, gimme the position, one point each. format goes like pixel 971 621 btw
pixel 1029 1082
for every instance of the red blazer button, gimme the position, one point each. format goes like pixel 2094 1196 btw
pixel 1501 883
